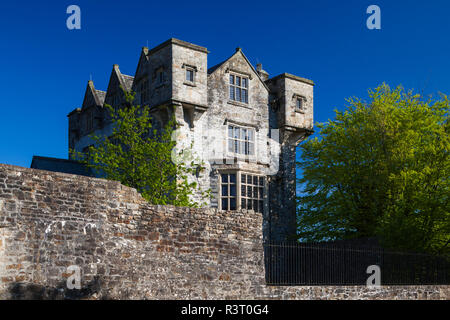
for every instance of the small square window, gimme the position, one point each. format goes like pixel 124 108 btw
pixel 300 104
pixel 190 75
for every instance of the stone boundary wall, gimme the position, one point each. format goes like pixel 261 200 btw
pixel 128 249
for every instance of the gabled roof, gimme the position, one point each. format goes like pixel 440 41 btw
pixel 143 58
pixel 217 66
pixel 101 96
pixel 238 51
pixel 146 52
pixel 128 81
pixel 117 80
pixel 92 96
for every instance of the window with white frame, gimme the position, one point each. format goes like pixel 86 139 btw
pixel 252 192
pixel 238 88
pixel 228 191
pixel 240 190
pixel 241 140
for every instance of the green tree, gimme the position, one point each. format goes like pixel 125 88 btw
pixel 140 157
pixel 380 169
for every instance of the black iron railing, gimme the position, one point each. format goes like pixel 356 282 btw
pixel 294 263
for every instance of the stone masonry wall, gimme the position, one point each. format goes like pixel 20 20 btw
pixel 128 249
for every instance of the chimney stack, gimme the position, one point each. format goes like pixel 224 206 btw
pixel 262 73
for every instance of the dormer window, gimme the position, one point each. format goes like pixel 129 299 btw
pixel 238 88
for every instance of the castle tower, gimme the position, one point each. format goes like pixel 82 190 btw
pixel 174 78
pixel 292 113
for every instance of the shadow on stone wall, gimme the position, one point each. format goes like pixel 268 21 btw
pixel 31 291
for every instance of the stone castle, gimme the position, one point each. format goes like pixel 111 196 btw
pixel 256 121
pixel 52 223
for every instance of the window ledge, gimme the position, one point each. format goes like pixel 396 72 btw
pixel 240 104
pixel 300 111
pixel 241 157
pixel 191 84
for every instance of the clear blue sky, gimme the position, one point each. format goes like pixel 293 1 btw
pixel 45 67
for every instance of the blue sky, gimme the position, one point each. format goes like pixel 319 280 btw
pixel 45 67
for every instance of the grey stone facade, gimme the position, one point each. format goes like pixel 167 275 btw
pixel 244 125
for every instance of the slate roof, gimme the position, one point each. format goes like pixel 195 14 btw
pixel 128 81
pixel 217 66
pixel 101 96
